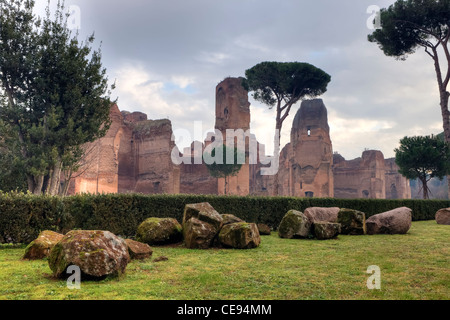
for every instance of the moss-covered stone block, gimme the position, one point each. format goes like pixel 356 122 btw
pixel 198 234
pixel 41 246
pixel 204 212
pixel 326 230
pixel 138 250
pixel 159 231
pixel 97 253
pixel 240 235
pixel 294 224
pixel 353 222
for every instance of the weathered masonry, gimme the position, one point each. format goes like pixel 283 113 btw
pixel 135 156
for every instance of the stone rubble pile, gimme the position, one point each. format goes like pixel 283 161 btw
pixel 101 253
pixel 328 223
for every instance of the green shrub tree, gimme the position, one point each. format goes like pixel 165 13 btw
pixel 282 85
pixel 423 158
pixel 220 167
pixel 55 91
pixel 12 176
pixel 408 25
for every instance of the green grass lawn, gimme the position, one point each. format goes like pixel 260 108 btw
pixel 413 266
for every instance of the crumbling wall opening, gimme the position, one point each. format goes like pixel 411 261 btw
pixel 394 193
pixel 157 187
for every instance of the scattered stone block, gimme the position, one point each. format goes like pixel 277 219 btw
pixel 198 234
pixel 160 258
pixel 322 214
pixel 96 253
pixel 353 222
pixel 240 235
pixel 41 246
pixel 397 221
pixel 230 218
pixel 201 225
pixel 443 216
pixel 203 212
pixel 326 230
pixel 159 231
pixel 138 250
pixel 264 229
pixel 294 224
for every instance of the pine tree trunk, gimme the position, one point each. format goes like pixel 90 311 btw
pixel 446 120
pixel 276 154
pixel 38 184
pixel 67 179
pixel 424 188
pixel 444 96
pixel 30 182
pixel 54 180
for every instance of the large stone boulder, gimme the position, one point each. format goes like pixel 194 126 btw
pixel 96 253
pixel 294 224
pixel 138 250
pixel 201 225
pixel 41 246
pixel 397 221
pixel 264 229
pixel 353 222
pixel 326 230
pixel 240 235
pixel 443 216
pixel 159 231
pixel 230 218
pixel 203 212
pixel 198 234
pixel 322 214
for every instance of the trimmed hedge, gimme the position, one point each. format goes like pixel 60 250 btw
pixel 23 216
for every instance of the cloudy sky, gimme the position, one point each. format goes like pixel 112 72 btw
pixel 167 56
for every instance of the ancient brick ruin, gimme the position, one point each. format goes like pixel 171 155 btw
pixel 135 156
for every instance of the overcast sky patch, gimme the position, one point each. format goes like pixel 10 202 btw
pixel 168 56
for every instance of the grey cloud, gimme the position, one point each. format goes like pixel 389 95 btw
pixel 208 40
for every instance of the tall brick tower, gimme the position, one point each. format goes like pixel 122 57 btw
pixel 311 163
pixel 233 112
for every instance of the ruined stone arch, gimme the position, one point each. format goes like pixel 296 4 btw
pixel 309 194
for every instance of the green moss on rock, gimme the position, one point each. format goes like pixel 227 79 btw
pixel 294 224
pixel 198 234
pixel 326 230
pixel 158 231
pixel 240 235
pixel 353 222
pixel 204 212
pixel 40 247
pixel 56 259
pixel 96 253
